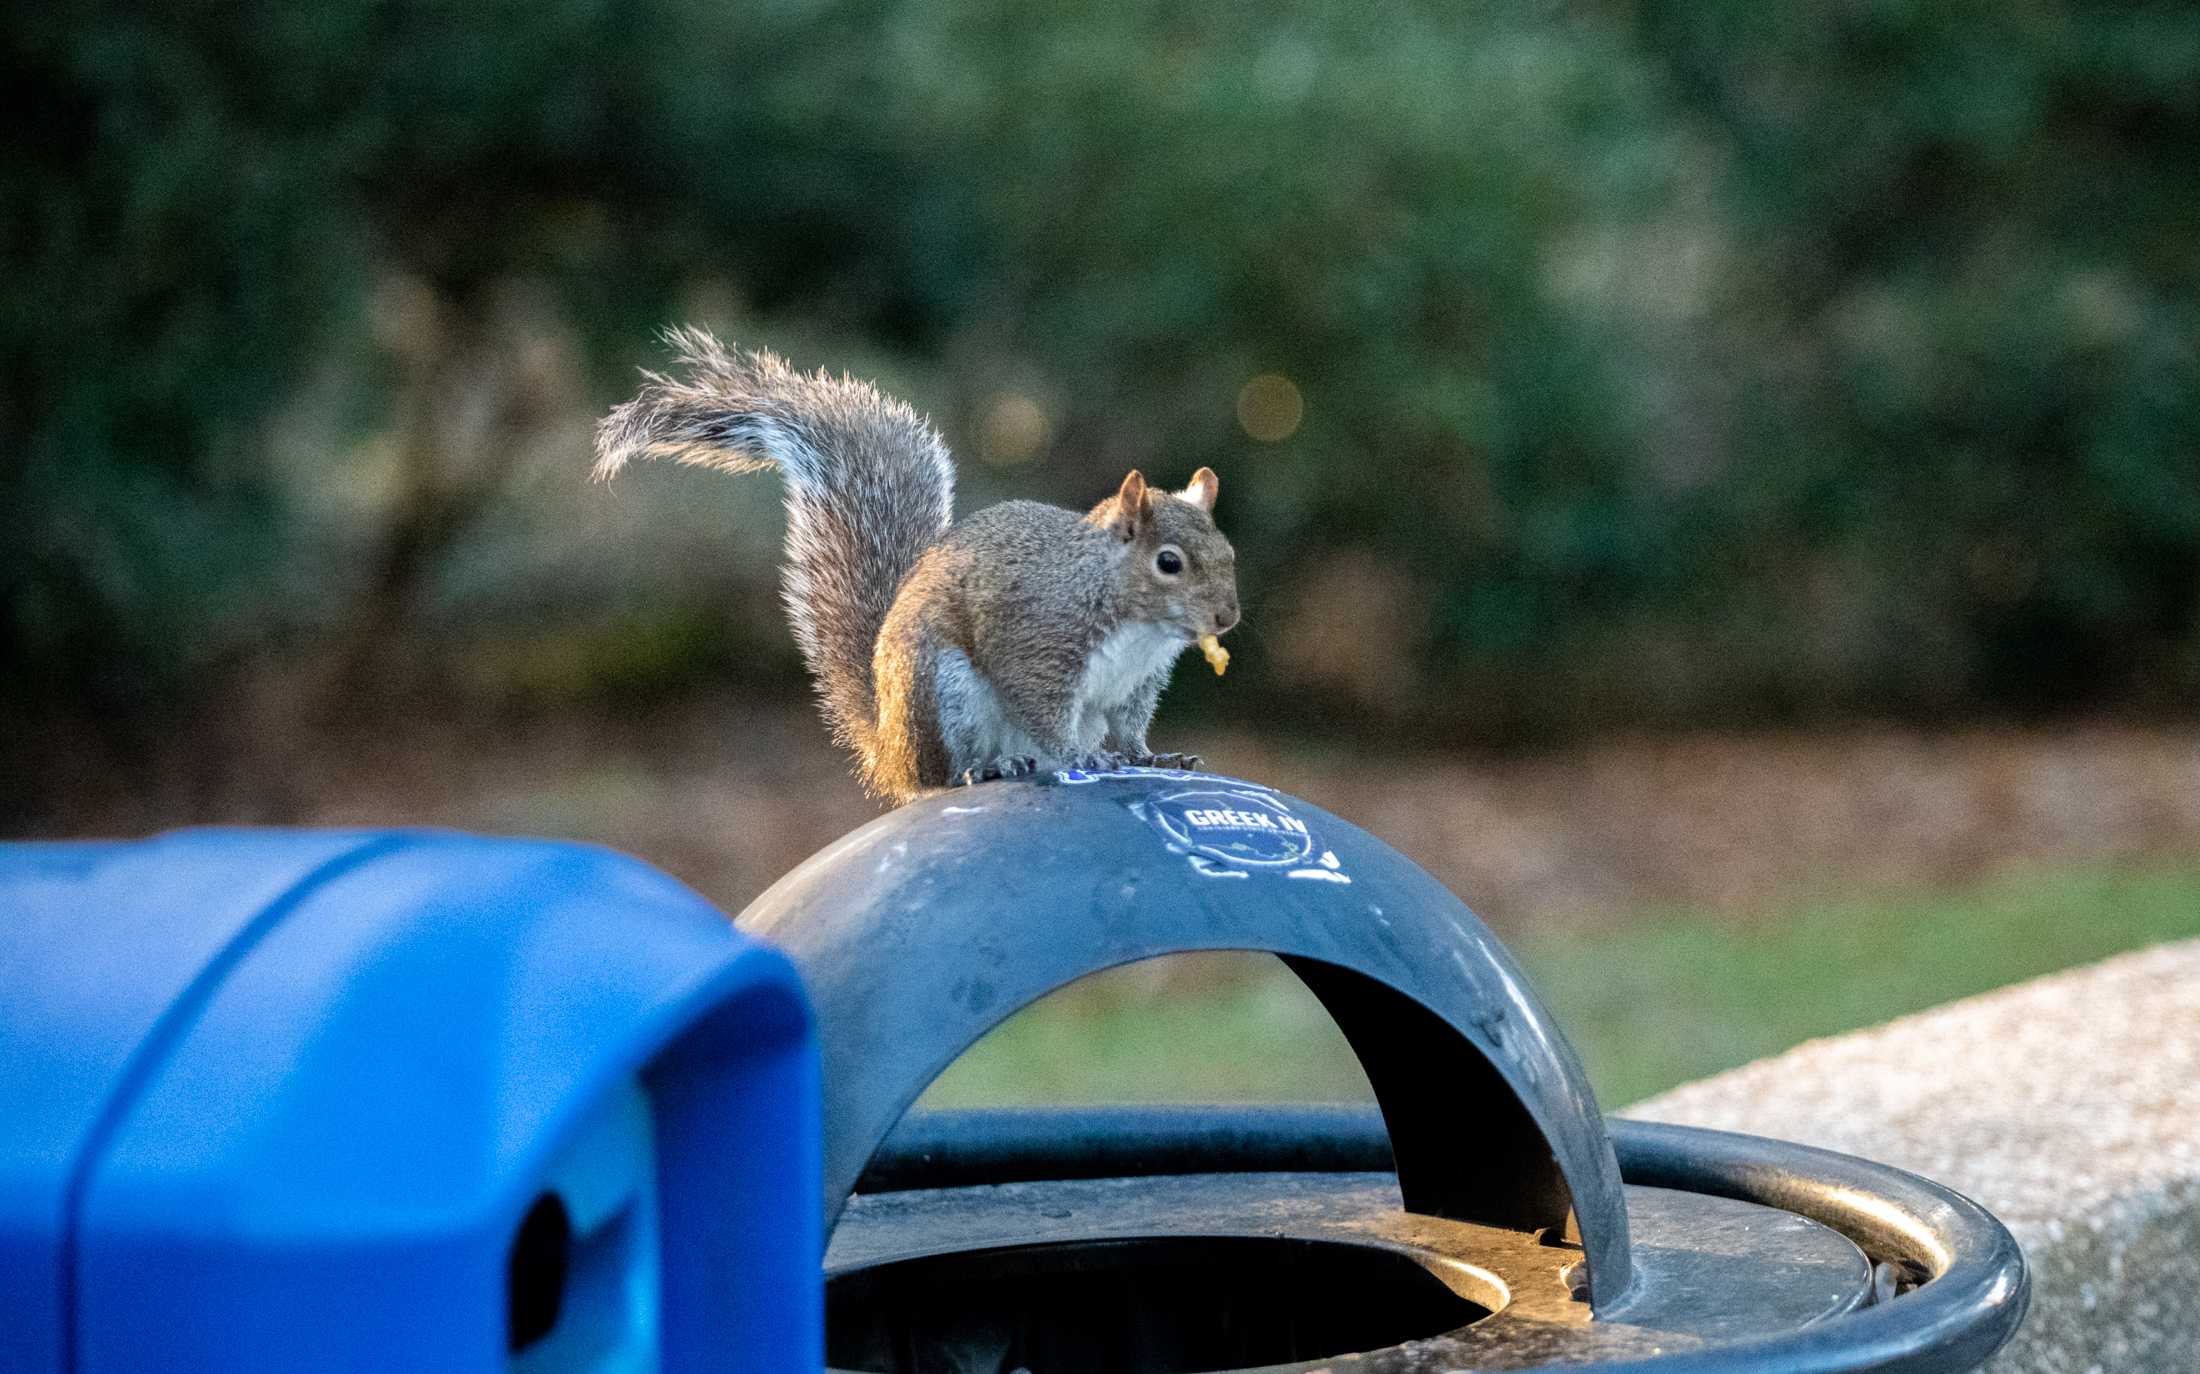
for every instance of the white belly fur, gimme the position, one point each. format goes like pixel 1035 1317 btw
pixel 1117 666
pixel 977 727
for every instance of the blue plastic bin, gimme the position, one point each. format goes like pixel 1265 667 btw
pixel 395 1102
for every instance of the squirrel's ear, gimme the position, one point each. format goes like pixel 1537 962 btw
pixel 1201 492
pixel 1128 508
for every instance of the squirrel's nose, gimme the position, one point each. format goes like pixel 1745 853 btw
pixel 1226 618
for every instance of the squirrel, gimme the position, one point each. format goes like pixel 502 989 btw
pixel 1022 638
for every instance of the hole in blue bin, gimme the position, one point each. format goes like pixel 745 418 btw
pixel 535 1272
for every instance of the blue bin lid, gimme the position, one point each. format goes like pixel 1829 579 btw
pixel 279 1100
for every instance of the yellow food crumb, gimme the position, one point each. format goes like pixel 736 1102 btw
pixel 1217 656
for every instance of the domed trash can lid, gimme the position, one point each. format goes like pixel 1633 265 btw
pixel 1483 1217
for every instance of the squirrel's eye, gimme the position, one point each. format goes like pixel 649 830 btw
pixel 1169 561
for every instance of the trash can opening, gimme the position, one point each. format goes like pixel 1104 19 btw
pixel 535 1289
pixel 1163 1303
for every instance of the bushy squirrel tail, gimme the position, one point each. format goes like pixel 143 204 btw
pixel 869 487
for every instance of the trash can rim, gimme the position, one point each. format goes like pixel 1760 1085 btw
pixel 1973 1301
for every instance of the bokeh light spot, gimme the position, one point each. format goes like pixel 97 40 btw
pixel 1269 407
pixel 1015 429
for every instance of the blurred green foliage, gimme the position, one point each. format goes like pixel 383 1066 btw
pixel 199 202
pixel 1660 361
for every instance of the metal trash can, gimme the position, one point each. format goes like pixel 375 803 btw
pixel 1488 1218
pixel 280 1101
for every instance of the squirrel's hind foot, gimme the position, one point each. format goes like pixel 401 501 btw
pixel 1184 763
pixel 1014 766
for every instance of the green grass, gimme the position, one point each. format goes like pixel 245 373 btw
pixel 1665 999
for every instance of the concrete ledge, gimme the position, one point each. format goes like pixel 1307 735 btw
pixel 2069 1106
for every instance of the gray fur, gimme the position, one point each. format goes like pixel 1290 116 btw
pixel 1109 706
pixel 974 722
pixel 1023 632
pixel 869 487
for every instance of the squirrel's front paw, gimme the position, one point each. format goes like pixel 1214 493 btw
pixel 1183 763
pixel 1015 766
pixel 1104 761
